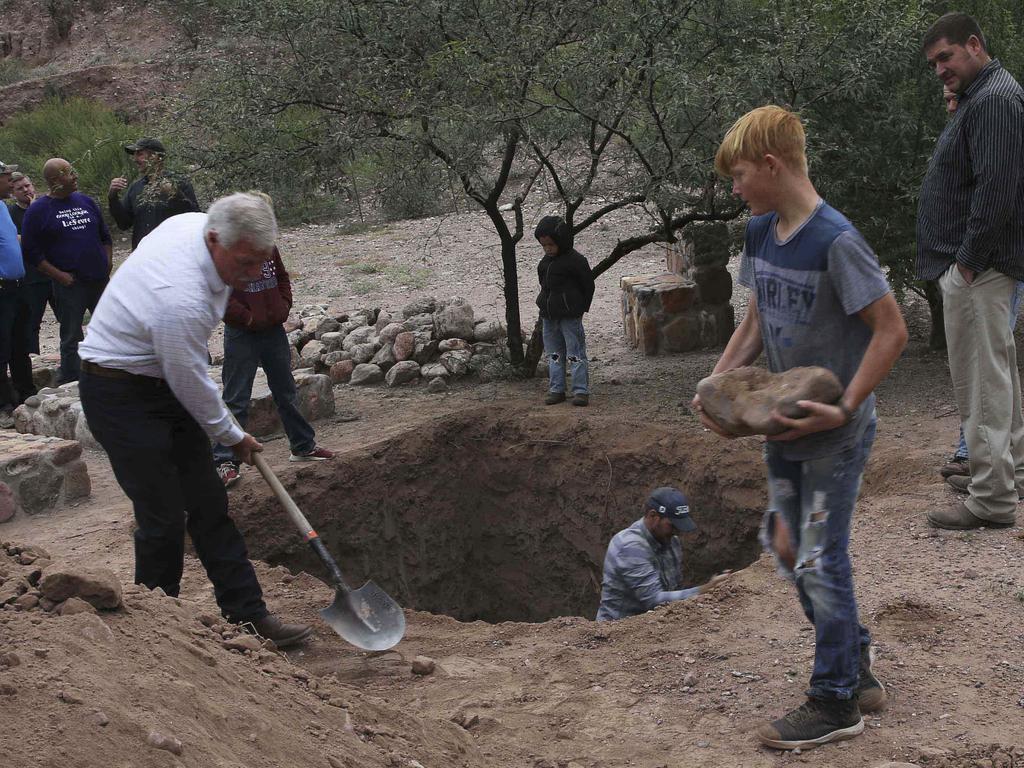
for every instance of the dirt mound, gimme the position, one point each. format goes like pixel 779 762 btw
pixel 505 515
pixel 157 684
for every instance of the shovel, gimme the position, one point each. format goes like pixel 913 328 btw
pixel 366 617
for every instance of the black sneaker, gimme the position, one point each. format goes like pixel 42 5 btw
pixel 871 694
pixel 817 722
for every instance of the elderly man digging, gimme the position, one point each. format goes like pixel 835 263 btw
pixel 151 404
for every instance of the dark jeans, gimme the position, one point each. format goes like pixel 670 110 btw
pixel 244 351
pixel 72 303
pixel 37 296
pixel 816 499
pixel 13 346
pixel 161 458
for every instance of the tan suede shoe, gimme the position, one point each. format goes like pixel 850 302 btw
pixel 957 517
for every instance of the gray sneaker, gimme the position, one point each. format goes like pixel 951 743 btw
pixel 871 694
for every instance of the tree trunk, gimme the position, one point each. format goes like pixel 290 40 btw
pixel 510 285
pixel 534 350
pixel 937 338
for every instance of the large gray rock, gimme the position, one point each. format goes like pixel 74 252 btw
pixel 97 586
pixel 335 357
pixel 433 371
pixel 311 353
pixel 402 373
pixel 421 323
pixel 454 320
pixel 365 375
pixel 385 357
pixel 456 362
pixel 742 400
pixel 425 306
pixel 362 335
pixel 332 341
pixel 362 353
pixel 314 396
pixel 327 325
pixel 450 345
pixel 384 319
pixel 488 330
pixel 405 345
pixel 389 332
pixel 426 349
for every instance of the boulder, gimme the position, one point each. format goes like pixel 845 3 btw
pixel 488 330
pixel 97 586
pixel 434 371
pixel 385 357
pixel 384 319
pixel 456 362
pixel 311 353
pixel 293 323
pixel 331 358
pixel 742 400
pixel 363 335
pixel 366 374
pixel 404 345
pixel 426 348
pixel 402 373
pixel 454 320
pixel 341 371
pixel 389 332
pixel 326 325
pixel 450 345
pixel 332 341
pixel 437 385
pixel 421 323
pixel 424 306
pixel 362 353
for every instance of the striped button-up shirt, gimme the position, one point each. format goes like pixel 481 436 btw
pixel 972 199
pixel 158 312
pixel 640 573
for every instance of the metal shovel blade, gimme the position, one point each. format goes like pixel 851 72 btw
pixel 366 617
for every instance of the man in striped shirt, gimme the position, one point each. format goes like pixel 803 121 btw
pixel 970 236
pixel 643 567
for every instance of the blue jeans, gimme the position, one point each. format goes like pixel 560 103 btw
pixel 244 351
pixel 72 303
pixel 961 452
pixel 815 499
pixel 564 339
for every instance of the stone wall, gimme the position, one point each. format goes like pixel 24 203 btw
pixel 38 474
pixel 688 306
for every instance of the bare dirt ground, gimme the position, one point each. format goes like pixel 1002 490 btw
pixel 681 686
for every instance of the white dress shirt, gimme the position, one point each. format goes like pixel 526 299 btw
pixel 156 316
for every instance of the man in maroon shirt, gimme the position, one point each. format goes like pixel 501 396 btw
pixel 254 336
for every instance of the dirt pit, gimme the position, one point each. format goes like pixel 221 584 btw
pixel 500 515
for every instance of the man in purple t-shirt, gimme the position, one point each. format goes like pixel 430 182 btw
pixel 64 235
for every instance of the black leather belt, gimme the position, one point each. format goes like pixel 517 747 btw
pixel 114 373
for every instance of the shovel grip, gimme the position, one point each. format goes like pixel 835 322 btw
pixel 311 536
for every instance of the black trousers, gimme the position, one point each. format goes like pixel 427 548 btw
pixel 162 459
pixel 37 296
pixel 14 320
pixel 72 303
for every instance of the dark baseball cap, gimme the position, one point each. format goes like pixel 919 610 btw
pixel 146 142
pixel 671 503
pixel 5 169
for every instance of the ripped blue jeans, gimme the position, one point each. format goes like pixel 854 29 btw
pixel 815 499
pixel 564 340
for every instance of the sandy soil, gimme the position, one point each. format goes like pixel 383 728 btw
pixel 681 686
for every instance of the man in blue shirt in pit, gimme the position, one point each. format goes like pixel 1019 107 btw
pixel 64 235
pixel 12 272
pixel 644 564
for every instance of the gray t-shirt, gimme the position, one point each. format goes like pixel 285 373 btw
pixel 809 290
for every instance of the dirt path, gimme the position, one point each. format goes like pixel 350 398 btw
pixel 683 685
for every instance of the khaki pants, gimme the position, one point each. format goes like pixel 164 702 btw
pixel 983 365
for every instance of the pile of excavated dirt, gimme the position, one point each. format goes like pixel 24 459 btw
pixel 157 683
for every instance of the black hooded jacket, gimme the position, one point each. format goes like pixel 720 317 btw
pixel 566 283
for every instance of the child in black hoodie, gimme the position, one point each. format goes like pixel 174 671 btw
pixel 566 291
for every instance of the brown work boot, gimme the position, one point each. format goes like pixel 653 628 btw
pixel 962 484
pixel 581 400
pixel 554 398
pixel 956 467
pixel 283 635
pixel 959 518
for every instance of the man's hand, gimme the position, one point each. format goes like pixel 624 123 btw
pixel 66 279
pixel 118 185
pixel 245 449
pixel 820 417
pixel 708 422
pixel 967 274
pixel 714 581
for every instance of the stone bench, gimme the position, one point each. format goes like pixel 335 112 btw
pixel 38 474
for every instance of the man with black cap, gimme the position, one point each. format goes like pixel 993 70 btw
pixel 154 197
pixel 643 567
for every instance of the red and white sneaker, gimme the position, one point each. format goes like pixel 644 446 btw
pixel 229 474
pixel 317 454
